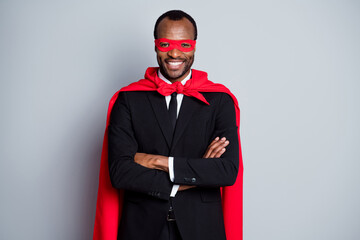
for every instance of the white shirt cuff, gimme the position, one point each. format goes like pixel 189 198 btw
pixel 175 187
pixel 174 190
pixel 171 168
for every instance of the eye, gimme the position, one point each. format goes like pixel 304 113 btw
pixel 164 44
pixel 186 45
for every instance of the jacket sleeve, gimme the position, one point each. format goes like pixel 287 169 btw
pixel 124 172
pixel 214 172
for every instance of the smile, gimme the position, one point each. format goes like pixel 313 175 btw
pixel 175 63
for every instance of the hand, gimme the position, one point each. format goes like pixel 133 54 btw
pixel 152 161
pixel 216 148
pixel 185 187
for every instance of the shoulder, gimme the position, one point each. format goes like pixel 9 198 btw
pixel 131 96
pixel 217 98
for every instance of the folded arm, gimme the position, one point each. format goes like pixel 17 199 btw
pixel 213 171
pixel 220 162
pixel 216 148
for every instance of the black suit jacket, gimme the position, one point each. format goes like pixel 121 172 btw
pixel 139 122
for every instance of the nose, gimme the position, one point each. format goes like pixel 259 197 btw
pixel 174 53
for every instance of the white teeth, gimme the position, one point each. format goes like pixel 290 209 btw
pixel 174 63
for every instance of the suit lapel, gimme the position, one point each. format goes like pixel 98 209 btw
pixel 159 106
pixel 188 106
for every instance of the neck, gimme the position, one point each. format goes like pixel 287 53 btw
pixel 183 78
pixel 179 79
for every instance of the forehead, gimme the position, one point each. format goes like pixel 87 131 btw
pixel 175 30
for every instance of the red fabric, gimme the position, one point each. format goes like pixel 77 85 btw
pixel 178 44
pixel 109 199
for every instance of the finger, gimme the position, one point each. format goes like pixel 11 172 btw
pixel 226 143
pixel 208 150
pixel 215 152
pixel 221 152
pixel 218 154
pixel 212 148
pixel 216 140
pixel 217 148
pixel 185 187
pixel 136 156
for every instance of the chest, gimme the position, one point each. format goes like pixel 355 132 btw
pixel 152 127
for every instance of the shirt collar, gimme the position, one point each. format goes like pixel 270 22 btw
pixel 167 81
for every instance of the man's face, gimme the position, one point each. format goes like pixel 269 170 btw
pixel 175 65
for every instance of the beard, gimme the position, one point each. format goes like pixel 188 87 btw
pixel 172 75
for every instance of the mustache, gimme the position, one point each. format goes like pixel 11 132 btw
pixel 172 59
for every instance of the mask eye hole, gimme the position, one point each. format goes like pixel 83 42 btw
pixel 164 44
pixel 186 45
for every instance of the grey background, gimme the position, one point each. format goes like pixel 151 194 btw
pixel 294 66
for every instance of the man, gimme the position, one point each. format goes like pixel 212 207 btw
pixel 172 142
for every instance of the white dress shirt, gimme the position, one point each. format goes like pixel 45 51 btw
pixel 179 98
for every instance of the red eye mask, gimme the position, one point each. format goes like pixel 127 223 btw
pixel 165 45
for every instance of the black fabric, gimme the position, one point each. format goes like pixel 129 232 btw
pixel 140 122
pixel 170 230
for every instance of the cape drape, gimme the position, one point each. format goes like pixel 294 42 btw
pixel 110 199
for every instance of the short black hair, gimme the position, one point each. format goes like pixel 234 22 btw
pixel 175 15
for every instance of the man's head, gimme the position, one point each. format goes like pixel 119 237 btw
pixel 175 62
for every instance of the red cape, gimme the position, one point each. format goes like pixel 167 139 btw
pixel 110 199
